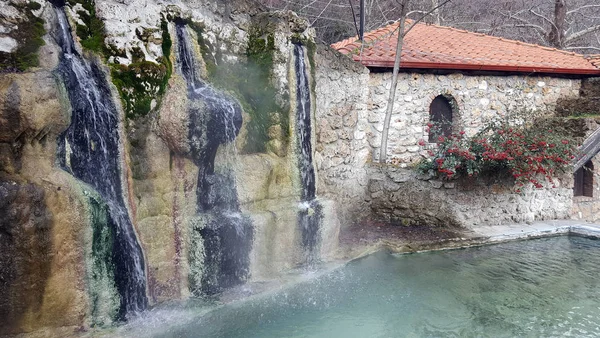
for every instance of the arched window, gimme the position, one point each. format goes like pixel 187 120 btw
pixel 584 180
pixel 440 115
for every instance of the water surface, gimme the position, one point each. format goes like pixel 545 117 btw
pixel 547 287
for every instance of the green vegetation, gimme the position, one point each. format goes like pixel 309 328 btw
pixel 139 84
pixel 104 297
pixel 144 81
pixel 167 44
pixel 92 33
pixel 530 151
pixel 259 92
pixel 250 82
pixel 29 36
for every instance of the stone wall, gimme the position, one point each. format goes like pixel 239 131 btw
pixel 478 99
pixel 400 196
pixel 49 225
pixel 342 150
pixel 588 207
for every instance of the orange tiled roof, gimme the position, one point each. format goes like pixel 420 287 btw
pixel 594 59
pixel 437 47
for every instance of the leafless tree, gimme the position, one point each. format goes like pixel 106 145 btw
pixel 567 24
pixel 564 24
pixel 392 96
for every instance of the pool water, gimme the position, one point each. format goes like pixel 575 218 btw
pixel 546 287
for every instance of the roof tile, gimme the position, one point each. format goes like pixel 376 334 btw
pixel 432 46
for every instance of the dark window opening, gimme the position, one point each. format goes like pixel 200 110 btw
pixel 584 180
pixel 440 116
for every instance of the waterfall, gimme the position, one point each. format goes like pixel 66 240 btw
pixel 311 212
pixel 215 119
pixel 89 149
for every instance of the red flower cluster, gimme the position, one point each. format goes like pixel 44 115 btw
pixel 528 154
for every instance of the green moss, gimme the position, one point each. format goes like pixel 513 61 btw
pixel 34 6
pixel 166 46
pixel 250 82
pixel 29 36
pixel 259 92
pixel 143 81
pixel 584 115
pixel 104 297
pixel 138 84
pixel 92 33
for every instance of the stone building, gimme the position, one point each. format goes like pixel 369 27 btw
pixel 461 79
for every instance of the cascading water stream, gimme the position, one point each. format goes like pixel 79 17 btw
pixel 89 149
pixel 311 212
pixel 215 119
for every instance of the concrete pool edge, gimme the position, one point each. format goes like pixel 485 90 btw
pixel 478 236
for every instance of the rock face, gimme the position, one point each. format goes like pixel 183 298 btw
pixel 56 254
pixel 21 31
pixel 163 177
pixel 45 232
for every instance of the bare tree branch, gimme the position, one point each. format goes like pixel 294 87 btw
pixel 581 33
pixel 353 16
pixel 531 21
pixel 529 25
pixel 423 17
pixel 582 47
pixel 541 16
pixel 582 7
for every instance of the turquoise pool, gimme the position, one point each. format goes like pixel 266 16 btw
pixel 546 287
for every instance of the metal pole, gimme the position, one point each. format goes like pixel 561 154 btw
pixel 361 33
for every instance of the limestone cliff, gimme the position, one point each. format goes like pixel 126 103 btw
pixel 56 244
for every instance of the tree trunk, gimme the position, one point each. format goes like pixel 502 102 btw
pixel 557 32
pixel 436 13
pixel 392 97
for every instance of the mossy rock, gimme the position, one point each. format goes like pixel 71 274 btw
pixel 92 33
pixel 139 84
pixel 29 37
pixel 143 81
pixel 249 81
pixel 104 297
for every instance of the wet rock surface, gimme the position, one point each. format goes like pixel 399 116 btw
pixel 372 235
pixel 26 251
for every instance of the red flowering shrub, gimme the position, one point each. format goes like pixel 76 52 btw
pixel 529 154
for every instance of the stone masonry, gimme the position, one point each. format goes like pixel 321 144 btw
pixel 400 196
pixel 588 208
pixel 341 150
pixel 477 99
